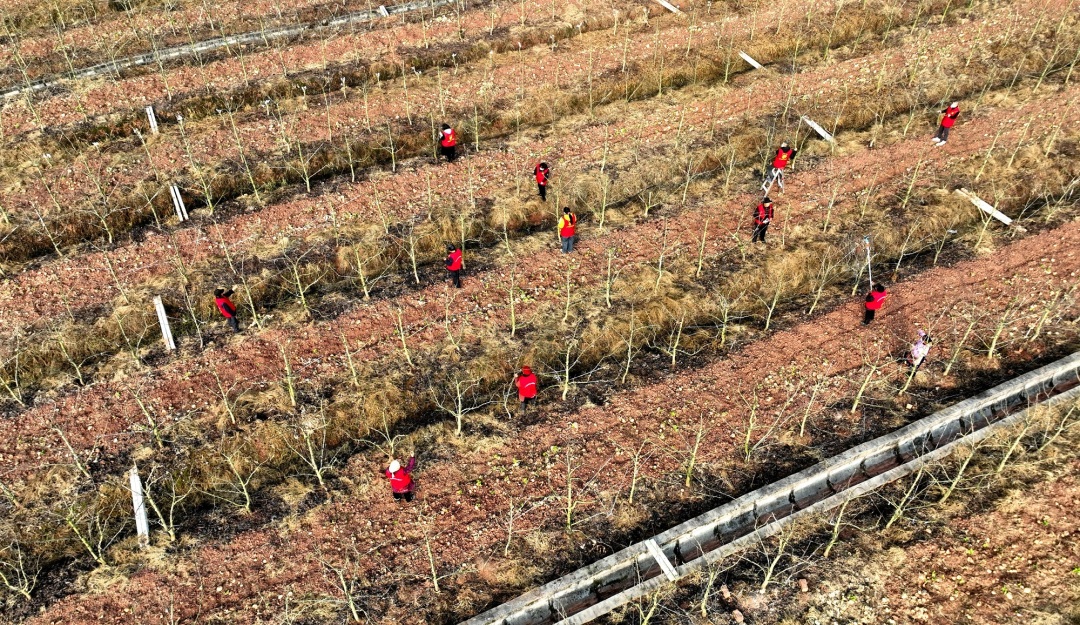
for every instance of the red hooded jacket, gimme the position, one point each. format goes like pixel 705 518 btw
pixel 400 480
pixel 225 305
pixel 764 214
pixel 875 299
pixel 526 383
pixel 542 174
pixel 951 114
pixel 453 260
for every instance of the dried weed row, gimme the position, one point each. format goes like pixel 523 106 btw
pixel 451 375
pixel 258 175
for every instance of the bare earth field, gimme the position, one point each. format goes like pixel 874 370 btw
pixel 680 365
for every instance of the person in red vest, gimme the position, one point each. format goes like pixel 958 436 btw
pixel 763 215
pixel 543 174
pixel 448 143
pixel 567 226
pixel 874 299
pixel 947 121
pixel 783 158
pixel 227 308
pixel 526 386
pixel 454 264
pixel 401 482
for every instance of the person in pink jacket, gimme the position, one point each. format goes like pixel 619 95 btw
pixel 401 482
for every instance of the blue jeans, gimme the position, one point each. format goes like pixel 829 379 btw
pixel 567 244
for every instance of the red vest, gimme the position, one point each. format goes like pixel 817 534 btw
pixel 527 385
pixel 782 158
pixel 449 138
pixel 226 306
pixel 455 261
pixel 400 482
pixel 877 299
pixel 541 175
pixel 951 114
pixel 566 225
pixel 764 214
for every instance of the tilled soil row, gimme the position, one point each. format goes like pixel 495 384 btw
pixel 266 162
pixel 385 558
pixel 118 266
pixel 879 170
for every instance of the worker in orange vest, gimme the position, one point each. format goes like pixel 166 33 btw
pixel 448 143
pixel 874 299
pixel 784 156
pixel 402 485
pixel 948 120
pixel 454 264
pixel 226 308
pixel 543 174
pixel 762 218
pixel 525 382
pixel 567 226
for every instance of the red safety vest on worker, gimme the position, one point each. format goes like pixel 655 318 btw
pixel 541 174
pixel 567 224
pixel 951 114
pixel 764 214
pixel 526 383
pixel 449 138
pixel 876 299
pixel 783 157
pixel 225 305
pixel 453 261
pixel 400 480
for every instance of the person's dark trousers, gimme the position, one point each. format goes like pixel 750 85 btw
pixel 233 323
pixel 868 316
pixel 406 496
pixel 759 233
pixel 448 152
pixel 942 133
pixel 567 244
pixel 455 278
pixel 543 191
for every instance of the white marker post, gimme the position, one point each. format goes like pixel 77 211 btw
pixel 163 320
pixel 178 202
pixel 984 207
pixel 142 526
pixel 383 12
pixel 752 62
pixel 818 129
pixel 869 271
pixel 670 7
pixel 152 118
pixel 661 559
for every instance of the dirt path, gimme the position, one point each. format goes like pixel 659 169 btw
pixel 460 496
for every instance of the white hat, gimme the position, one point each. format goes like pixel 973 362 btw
pixel 394 466
pixel 955 104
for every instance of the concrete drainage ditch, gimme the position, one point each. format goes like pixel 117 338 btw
pixel 640 569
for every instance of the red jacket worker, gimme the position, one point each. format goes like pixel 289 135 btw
pixel 454 264
pixel 947 121
pixel 448 143
pixel 526 386
pixel 227 308
pixel 543 174
pixel 401 482
pixel 874 299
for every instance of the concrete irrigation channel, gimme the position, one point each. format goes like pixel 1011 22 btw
pixel 642 568
pixel 262 37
